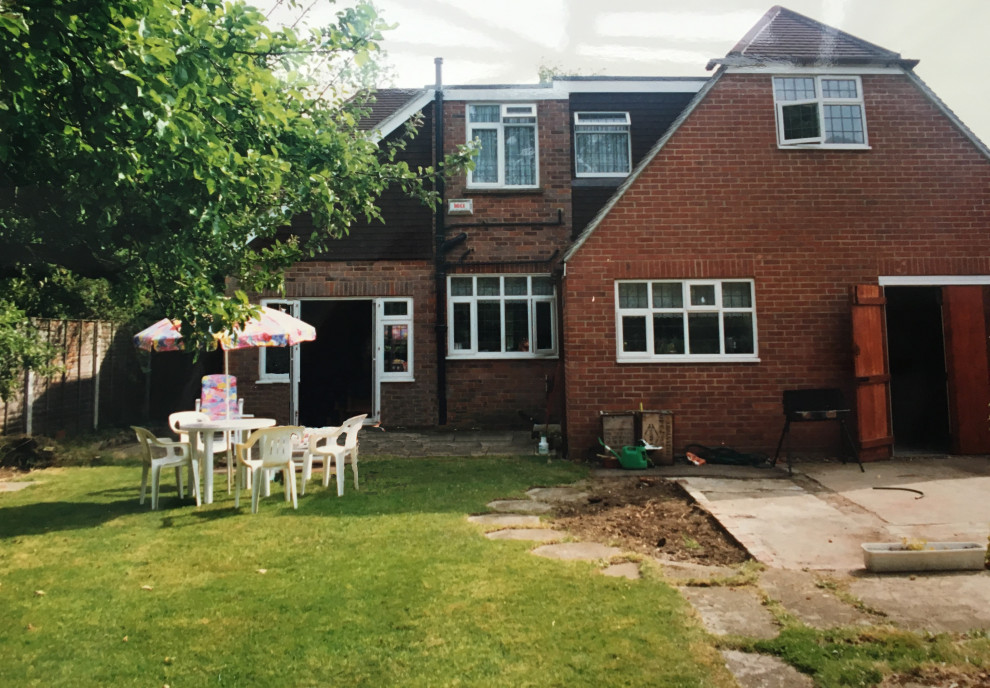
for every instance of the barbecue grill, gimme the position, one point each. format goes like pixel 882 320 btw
pixel 811 405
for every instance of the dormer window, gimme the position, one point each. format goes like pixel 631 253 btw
pixel 601 144
pixel 820 111
pixel 507 135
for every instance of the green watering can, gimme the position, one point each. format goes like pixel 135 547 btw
pixel 633 457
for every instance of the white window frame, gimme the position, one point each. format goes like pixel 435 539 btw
pixel 685 309
pixel 292 308
pixel 820 101
pixel 534 302
pixel 383 321
pixel 620 122
pixel 507 111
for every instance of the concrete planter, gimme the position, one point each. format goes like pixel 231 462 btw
pixel 936 556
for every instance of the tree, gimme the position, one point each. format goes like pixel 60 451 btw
pixel 148 143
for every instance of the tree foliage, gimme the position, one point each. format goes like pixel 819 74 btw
pixel 147 143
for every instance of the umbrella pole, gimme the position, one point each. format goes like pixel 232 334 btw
pixel 226 393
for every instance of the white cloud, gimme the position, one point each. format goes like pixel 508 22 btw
pixel 617 52
pixel 682 26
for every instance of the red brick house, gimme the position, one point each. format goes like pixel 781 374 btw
pixel 815 215
pixel 687 244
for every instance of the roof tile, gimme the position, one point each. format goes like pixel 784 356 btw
pixel 784 35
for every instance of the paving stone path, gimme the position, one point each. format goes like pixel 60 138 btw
pixel 722 610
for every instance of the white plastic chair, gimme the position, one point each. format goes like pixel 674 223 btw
pixel 331 450
pixel 221 440
pixel 312 437
pixel 275 449
pixel 177 456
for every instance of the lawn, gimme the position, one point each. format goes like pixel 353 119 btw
pixel 389 586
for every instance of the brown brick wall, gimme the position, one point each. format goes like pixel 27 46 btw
pixel 721 200
pixel 500 243
pixel 402 403
pixel 498 393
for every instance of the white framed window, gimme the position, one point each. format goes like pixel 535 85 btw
pixel 501 316
pixel 395 339
pixel 821 111
pixel 686 320
pixel 601 144
pixel 275 362
pixel 506 133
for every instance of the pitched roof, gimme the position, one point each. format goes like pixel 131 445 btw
pixel 783 35
pixel 385 103
pixel 388 108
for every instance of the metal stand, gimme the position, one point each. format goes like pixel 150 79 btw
pixel 812 405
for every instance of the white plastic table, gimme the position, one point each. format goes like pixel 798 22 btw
pixel 207 428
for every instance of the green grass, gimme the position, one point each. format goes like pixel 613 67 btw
pixel 389 586
pixel 862 657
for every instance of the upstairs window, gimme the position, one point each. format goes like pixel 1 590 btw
pixel 501 316
pixel 507 136
pixel 820 111
pixel 601 144
pixel 690 321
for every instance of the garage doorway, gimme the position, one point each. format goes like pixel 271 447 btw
pixel 919 401
pixel 336 376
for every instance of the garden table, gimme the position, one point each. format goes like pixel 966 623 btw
pixel 207 428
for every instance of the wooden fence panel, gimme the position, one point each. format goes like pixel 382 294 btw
pixel 98 387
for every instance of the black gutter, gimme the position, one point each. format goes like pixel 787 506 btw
pixel 440 268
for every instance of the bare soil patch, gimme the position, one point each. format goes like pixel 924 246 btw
pixel 652 516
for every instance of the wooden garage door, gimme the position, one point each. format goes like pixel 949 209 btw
pixel 968 382
pixel 871 373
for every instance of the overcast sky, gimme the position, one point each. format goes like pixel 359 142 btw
pixel 505 41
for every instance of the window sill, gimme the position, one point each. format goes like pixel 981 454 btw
pixel 406 378
pixel 502 190
pixel 603 175
pixel 501 357
pixel 688 359
pixel 272 381
pixel 823 146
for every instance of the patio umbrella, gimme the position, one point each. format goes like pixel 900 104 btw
pixel 270 328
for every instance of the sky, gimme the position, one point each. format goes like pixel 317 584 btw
pixel 506 41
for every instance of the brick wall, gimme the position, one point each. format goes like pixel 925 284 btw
pixel 720 201
pixel 499 393
pixel 402 403
pixel 503 243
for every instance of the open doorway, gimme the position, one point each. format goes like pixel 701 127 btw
pixel 336 379
pixel 919 402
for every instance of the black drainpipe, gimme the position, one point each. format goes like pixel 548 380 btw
pixel 440 269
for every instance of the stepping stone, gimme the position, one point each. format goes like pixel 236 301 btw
pixel 505 520
pixel 577 551
pixel 763 671
pixel 557 494
pixel 684 570
pixel 627 569
pixel 525 506
pixel 799 593
pixel 11 486
pixel 732 611
pixel 537 534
